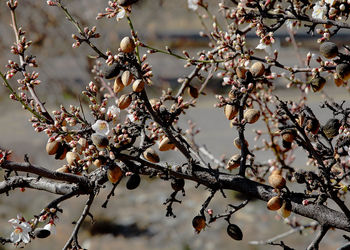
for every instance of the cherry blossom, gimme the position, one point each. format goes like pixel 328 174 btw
pixel 22 230
pixel 101 127
pixel 193 4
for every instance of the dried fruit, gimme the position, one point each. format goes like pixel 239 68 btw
pixel 151 155
pixel 286 145
pixel 329 50
pixel 289 135
pixel 110 71
pixel 114 174
pixel 230 111
pixel 277 181
pixel 99 140
pixel 41 233
pixel 127 45
pixel 251 115
pixel 118 85
pixel 124 101
pixel 133 182
pixel 241 72
pixel 165 144
pixel 238 144
pixel 72 158
pixel 138 85
pixel 317 83
pixel 337 81
pixel 234 162
pixel 343 71
pixel 127 78
pixel 61 152
pixel 285 210
pixel 274 203
pixel 193 92
pixel 312 125
pixel 331 128
pixel 234 232
pixel 177 184
pixel 52 147
pixel 198 223
pixel 257 69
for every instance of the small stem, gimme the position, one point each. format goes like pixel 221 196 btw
pixel 74 236
pixel 137 46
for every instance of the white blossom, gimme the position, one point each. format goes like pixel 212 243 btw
pixel 51 227
pixel 121 13
pixel 113 111
pixel 101 127
pixel 319 11
pixel 193 4
pixel 268 48
pixel 21 232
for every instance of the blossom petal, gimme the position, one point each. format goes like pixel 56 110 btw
pixel 193 4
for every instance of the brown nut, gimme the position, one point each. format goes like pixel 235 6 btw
pixel 285 210
pixel 251 115
pixel 151 155
pixel 198 223
pixel 99 141
pixel 138 85
pixel 312 125
pixel 127 45
pixel 317 83
pixel 127 78
pixel 274 203
pixel 118 85
pixel 124 101
pixel 238 144
pixel 234 232
pixel 115 174
pixel 193 92
pixel 133 182
pixel 241 72
pixel 289 135
pixel 230 111
pixel 165 144
pixel 329 50
pixel 61 152
pixel 257 69
pixel 72 158
pixel 110 71
pixel 234 162
pixel 52 147
pixel 277 181
pixel 343 71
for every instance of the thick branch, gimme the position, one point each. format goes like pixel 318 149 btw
pixel 35 183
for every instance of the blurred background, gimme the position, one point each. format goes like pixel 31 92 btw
pixel 136 219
